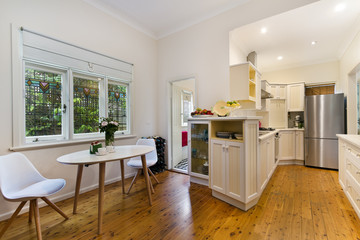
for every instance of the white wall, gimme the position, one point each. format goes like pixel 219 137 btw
pixel 316 73
pixel 202 51
pixel 348 62
pixel 236 55
pixel 79 23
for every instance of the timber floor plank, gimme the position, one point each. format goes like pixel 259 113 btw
pixel 298 203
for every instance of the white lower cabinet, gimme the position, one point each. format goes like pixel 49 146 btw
pixel 291 146
pixel 287 145
pixel 228 168
pixel 299 145
pixel 267 160
pixel 342 167
pixel 349 172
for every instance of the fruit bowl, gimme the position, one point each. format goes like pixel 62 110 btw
pixel 201 113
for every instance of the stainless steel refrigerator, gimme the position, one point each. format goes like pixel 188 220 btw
pixel 324 118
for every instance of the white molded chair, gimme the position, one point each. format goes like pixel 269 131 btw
pixel 21 182
pixel 151 159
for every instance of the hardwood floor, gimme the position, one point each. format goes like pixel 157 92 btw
pixel 298 203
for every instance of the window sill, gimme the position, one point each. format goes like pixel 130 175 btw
pixel 43 145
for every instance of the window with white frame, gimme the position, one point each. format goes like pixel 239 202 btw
pixel 186 106
pixel 67 90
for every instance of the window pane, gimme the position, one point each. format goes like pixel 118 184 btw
pixel 42 103
pixel 118 104
pixel 86 105
pixel 187 107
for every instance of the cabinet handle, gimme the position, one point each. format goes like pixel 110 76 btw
pixel 349 149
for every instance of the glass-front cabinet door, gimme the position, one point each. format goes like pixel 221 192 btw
pixel 199 149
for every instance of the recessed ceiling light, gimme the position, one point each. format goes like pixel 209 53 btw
pixel 340 7
pixel 279 57
pixel 313 42
pixel 263 30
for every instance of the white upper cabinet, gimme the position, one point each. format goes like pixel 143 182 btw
pixel 295 97
pixel 278 91
pixel 278 113
pixel 245 84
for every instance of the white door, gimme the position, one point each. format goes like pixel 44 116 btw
pixel 299 135
pixel 263 164
pixel 235 170
pixel 270 156
pixel 218 164
pixel 177 152
pixel 287 145
pixel 296 97
pixel 176 125
pixel 277 113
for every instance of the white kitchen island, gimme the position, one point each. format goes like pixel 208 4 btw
pixel 234 165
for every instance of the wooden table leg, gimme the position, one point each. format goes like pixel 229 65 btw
pixel 146 174
pixel 77 187
pixel 101 195
pixel 122 175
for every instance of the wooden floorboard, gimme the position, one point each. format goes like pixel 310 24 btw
pixel 298 203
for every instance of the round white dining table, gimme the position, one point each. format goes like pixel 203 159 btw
pixel 121 153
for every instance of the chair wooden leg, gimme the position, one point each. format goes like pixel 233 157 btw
pixel 152 174
pixel 134 180
pixel 12 218
pixel 31 211
pixel 35 206
pixel 151 186
pixel 56 208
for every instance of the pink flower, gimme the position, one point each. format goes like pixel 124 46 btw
pixel 104 124
pixel 114 123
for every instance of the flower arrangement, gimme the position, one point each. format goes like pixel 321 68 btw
pixel 109 126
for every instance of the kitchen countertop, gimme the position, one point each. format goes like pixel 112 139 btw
pixel 223 118
pixel 351 138
pixel 270 133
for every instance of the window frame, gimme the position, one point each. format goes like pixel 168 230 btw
pixel 64 82
pixel 182 112
pixel 19 62
pixel 128 103
pixel 102 100
pixel 67 97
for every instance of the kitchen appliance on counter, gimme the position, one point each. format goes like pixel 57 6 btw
pixel 297 120
pixel 324 118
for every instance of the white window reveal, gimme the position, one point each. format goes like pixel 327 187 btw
pixel 60 91
pixel 187 106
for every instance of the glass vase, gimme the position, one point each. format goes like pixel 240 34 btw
pixel 109 139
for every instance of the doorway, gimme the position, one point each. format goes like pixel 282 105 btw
pixel 182 104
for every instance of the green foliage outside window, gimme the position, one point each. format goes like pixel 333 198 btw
pixel 86 105
pixel 43 104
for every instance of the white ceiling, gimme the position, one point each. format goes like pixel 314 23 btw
pixel 159 18
pixel 290 35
